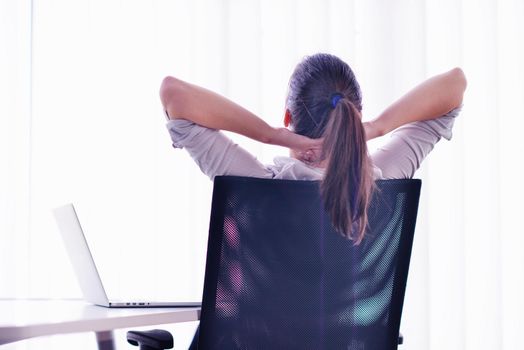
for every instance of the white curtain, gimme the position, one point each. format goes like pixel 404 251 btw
pixel 81 122
pixel 15 146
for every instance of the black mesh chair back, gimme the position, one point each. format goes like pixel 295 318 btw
pixel 279 277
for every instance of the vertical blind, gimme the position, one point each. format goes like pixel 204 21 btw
pixel 81 122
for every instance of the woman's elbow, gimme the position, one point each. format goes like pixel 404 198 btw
pixel 460 78
pixel 171 96
pixel 459 85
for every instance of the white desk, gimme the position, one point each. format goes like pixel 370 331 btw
pixel 24 319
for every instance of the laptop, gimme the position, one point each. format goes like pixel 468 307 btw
pixel 85 268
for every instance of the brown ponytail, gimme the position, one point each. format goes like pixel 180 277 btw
pixel 348 181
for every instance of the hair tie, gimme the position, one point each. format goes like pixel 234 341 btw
pixel 335 98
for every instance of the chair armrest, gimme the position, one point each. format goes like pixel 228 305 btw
pixel 155 339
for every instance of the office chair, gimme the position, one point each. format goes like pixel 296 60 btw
pixel 279 277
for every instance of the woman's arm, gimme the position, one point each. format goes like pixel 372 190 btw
pixel 429 100
pixel 204 107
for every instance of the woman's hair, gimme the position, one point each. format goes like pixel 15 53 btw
pixel 325 101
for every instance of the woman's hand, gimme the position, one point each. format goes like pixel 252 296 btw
pixel 304 148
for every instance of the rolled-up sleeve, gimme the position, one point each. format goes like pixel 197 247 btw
pixel 408 145
pixel 213 151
